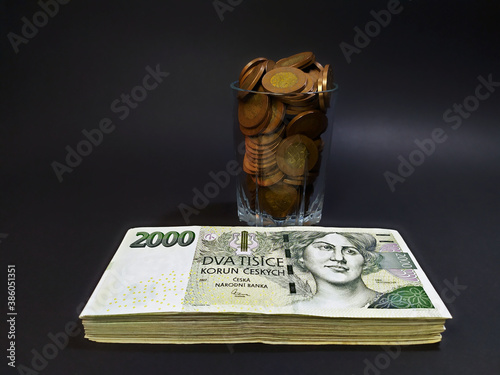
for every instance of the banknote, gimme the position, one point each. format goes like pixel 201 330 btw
pixel 317 271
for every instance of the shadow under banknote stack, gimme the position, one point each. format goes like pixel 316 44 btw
pixel 284 116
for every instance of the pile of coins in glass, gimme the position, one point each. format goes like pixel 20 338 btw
pixel 282 120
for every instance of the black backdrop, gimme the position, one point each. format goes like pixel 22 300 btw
pixel 417 74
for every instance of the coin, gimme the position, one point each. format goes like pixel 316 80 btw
pixel 251 79
pixel 253 110
pixel 270 65
pixel 250 65
pixel 267 139
pixel 277 115
pixel 278 200
pixel 284 80
pixel 257 129
pixel 319 144
pixel 296 154
pixel 260 171
pixel 270 180
pixel 300 60
pixel 255 146
pixel 293 181
pixel 261 163
pixel 310 123
pixel 325 83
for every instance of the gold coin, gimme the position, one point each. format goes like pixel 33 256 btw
pixel 296 155
pixel 284 80
pixel 310 123
pixel 250 65
pixel 278 200
pixel 252 111
pixel 300 60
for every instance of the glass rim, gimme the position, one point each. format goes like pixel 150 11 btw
pixel 234 86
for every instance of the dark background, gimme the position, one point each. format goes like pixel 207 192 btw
pixel 61 235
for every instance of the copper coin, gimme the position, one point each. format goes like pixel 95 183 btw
pixel 256 130
pixel 270 65
pixel 261 163
pixel 251 79
pixel 292 98
pixel 328 83
pixel 300 60
pixel 261 147
pixel 250 65
pixel 284 80
pixel 260 152
pixel 277 115
pixel 291 110
pixel 271 180
pixel 296 155
pixel 266 139
pixel 325 83
pixel 310 123
pixel 261 155
pixel 248 167
pixel 278 200
pixel 267 172
pixel 300 100
pixel 314 68
pixel 309 84
pixel 319 144
pixel 253 110
pixel 293 181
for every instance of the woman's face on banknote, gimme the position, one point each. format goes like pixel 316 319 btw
pixel 334 259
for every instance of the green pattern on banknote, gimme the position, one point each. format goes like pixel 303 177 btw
pixel 408 297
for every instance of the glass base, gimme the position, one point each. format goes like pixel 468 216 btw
pixel 259 219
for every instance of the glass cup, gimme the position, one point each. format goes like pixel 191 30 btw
pixel 282 142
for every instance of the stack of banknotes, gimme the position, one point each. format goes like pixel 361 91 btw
pixel 287 285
